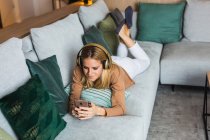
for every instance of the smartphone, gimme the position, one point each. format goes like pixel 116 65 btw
pixel 82 103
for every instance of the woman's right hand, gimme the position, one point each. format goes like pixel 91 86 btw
pixel 73 112
pixel 84 113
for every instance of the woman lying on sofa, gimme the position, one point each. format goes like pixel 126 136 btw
pixel 97 69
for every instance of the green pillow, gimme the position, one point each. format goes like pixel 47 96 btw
pixel 160 22
pixel 107 27
pixel 31 112
pixel 49 73
pixel 94 35
pixel 4 135
pixel 100 97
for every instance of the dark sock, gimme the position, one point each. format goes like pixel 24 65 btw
pixel 128 16
pixel 119 27
pixel 118 19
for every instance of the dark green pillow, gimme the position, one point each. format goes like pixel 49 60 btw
pixel 94 35
pixel 31 112
pixel 108 27
pixel 49 73
pixel 160 22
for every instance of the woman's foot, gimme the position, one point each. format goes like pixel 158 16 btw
pixel 124 35
pixel 128 16
pixel 124 32
pixel 118 19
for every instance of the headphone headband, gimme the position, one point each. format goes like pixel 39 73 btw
pixel 107 64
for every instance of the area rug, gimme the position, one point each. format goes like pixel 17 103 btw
pixel 177 115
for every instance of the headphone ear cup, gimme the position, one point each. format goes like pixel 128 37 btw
pixel 79 62
pixel 106 64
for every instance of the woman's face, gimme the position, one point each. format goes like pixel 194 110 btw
pixel 92 68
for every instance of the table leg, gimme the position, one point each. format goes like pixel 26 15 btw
pixel 205 114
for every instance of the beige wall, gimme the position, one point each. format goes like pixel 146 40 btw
pixel 26 8
pixel 122 4
pixel 17 10
pixel 7 12
pixel 42 6
pixel 13 11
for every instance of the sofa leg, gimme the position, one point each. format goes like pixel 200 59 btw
pixel 173 87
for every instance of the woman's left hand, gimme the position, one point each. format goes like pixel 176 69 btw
pixel 84 113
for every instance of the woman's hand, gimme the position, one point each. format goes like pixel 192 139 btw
pixel 84 113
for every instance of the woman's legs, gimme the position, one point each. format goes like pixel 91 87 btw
pixel 122 50
pixel 132 66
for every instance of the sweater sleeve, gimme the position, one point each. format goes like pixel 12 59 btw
pixel 118 93
pixel 76 87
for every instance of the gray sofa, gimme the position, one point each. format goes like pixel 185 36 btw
pixel 187 62
pixel 63 38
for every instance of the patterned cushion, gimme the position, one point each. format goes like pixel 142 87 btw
pixel 100 97
pixel 49 73
pixel 11 76
pixel 31 103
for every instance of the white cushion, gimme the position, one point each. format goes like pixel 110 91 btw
pixel 13 72
pixel 27 44
pixel 91 15
pixel 196 20
pixel 28 50
pixel 63 39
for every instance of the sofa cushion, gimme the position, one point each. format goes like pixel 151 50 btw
pixel 108 27
pixel 185 63
pixel 133 29
pixel 160 22
pixel 142 94
pixel 63 39
pixel 94 35
pixel 103 128
pixel 49 73
pixel 92 15
pixel 196 20
pixel 14 71
pixel 31 112
pixel 28 49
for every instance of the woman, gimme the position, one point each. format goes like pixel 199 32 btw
pixel 95 69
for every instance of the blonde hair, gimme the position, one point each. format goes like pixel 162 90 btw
pixel 95 52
